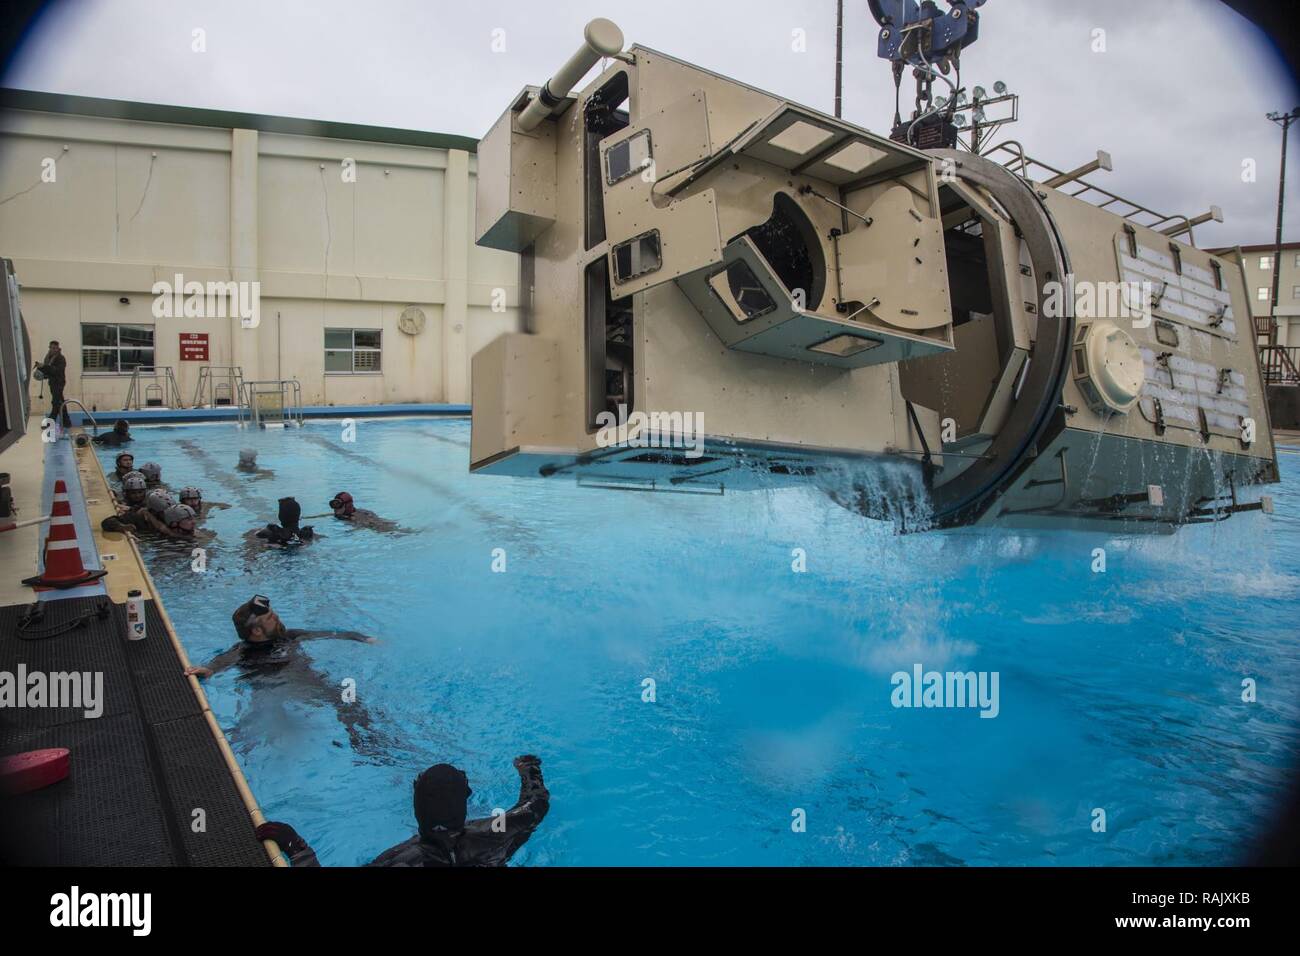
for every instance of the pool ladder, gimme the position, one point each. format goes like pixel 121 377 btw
pixel 162 392
pixel 274 403
pixel 220 386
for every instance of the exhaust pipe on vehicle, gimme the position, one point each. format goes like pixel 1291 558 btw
pixel 602 38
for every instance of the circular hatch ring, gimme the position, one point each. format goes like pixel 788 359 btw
pixel 961 500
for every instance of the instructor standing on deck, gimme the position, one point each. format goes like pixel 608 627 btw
pixel 55 371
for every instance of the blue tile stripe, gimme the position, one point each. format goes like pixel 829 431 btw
pixel 105 417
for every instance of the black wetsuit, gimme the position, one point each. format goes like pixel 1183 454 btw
pixel 477 844
pixel 474 844
pixel 136 518
pixel 364 518
pixel 112 439
pixel 281 661
pixel 273 538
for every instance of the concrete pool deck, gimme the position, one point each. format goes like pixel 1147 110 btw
pixel 153 780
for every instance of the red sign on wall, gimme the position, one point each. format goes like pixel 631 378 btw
pixel 194 346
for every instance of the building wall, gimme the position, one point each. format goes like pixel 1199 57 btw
pixel 1258 264
pixel 134 202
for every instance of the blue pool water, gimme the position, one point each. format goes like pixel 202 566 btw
pixel 1120 691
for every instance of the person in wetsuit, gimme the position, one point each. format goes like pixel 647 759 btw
pixel 445 838
pixel 156 503
pixel 192 496
pixel 287 533
pixel 178 522
pixel 130 512
pixel 345 509
pixel 268 653
pixel 248 464
pixel 120 435
pixel 123 464
pixel 133 491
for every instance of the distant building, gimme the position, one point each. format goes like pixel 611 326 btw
pixel 359 240
pixel 1259 265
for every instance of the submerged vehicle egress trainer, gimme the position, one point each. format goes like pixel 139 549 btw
pixel 932 336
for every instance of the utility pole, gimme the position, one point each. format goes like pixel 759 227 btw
pixel 839 58
pixel 1285 122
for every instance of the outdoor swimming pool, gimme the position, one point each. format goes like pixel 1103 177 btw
pixel 1119 691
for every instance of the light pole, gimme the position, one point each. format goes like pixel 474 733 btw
pixel 1285 122
pixel 839 58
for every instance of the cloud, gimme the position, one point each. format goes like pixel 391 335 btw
pixel 1178 97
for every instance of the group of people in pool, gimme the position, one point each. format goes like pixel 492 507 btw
pixel 268 650
pixel 144 505
pixel 290 531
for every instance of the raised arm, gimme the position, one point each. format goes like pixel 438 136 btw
pixel 534 800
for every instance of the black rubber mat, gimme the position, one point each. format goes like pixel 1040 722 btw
pixel 138 771
pixel 197 778
pixel 85 649
pixel 164 691
pixel 107 811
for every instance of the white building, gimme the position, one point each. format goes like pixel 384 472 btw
pixel 341 227
pixel 1258 263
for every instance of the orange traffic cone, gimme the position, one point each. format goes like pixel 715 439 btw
pixel 63 567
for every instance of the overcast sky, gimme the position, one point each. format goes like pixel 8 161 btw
pixel 1178 97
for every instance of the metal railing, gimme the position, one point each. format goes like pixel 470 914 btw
pixel 1279 364
pixel 220 386
pixel 1029 168
pixel 273 403
pixel 84 411
pixel 161 392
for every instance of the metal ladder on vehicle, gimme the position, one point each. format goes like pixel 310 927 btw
pixel 273 403
pixel 162 392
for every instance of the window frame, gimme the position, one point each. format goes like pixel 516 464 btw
pixel 117 370
pixel 353 349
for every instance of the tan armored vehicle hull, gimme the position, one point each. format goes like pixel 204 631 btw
pixel 758 294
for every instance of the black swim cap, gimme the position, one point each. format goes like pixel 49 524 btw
pixel 240 620
pixel 441 795
pixel 290 512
